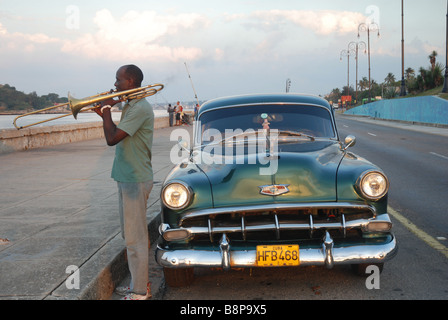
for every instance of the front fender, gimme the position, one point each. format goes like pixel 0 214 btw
pixel 195 178
pixel 349 171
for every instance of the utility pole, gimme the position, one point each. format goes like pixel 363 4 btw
pixel 370 27
pixel 403 86
pixel 445 85
pixel 356 45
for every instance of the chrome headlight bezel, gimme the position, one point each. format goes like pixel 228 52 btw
pixel 365 187
pixel 185 196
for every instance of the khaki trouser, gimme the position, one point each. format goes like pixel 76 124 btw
pixel 132 199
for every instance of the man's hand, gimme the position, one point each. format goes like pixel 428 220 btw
pixel 112 134
pixel 98 110
pixel 111 102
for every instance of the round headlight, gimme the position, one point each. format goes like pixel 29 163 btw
pixel 373 185
pixel 176 195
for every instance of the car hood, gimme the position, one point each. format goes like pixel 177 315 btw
pixel 310 175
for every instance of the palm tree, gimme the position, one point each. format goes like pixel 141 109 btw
pixel 436 75
pixel 334 95
pixel 364 84
pixel 409 73
pixel 389 86
pixel 422 72
pixel 390 78
pixel 411 81
pixel 432 59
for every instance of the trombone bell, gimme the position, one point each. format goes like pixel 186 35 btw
pixel 75 105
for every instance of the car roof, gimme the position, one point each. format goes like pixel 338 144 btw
pixel 248 99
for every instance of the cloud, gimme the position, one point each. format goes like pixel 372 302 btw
pixel 323 22
pixel 138 36
pixel 149 36
pixel 2 30
pixel 22 40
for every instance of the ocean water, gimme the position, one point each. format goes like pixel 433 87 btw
pixel 6 121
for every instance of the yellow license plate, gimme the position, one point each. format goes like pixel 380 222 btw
pixel 278 255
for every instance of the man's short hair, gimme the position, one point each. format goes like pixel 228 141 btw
pixel 135 74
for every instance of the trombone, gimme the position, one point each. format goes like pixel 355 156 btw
pixel 78 105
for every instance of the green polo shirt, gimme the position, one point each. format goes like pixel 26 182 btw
pixel 132 161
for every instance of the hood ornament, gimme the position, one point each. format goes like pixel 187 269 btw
pixel 274 189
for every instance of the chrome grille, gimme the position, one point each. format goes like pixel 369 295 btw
pixel 275 222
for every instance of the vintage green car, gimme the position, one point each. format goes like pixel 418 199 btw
pixel 267 182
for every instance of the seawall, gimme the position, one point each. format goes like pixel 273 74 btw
pixel 429 110
pixel 12 140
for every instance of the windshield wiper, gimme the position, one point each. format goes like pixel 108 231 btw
pixel 296 133
pixel 279 132
pixel 234 136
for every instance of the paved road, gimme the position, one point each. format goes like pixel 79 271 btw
pixel 416 165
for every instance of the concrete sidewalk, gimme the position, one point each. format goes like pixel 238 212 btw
pixel 58 211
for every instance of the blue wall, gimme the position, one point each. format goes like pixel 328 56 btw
pixel 429 109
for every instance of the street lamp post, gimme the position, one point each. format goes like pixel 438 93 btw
pixel 403 86
pixel 347 53
pixel 370 27
pixel 356 46
pixel 445 85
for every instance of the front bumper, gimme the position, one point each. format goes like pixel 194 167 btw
pixel 327 254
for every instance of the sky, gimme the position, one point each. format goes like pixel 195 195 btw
pixel 230 47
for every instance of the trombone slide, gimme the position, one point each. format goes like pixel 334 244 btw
pixel 78 105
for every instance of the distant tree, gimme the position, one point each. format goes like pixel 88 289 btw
pixel 334 95
pixel 424 79
pixel 411 81
pixel 432 59
pixel 364 84
pixel 390 78
pixel 434 76
pixel 12 99
pixel 409 73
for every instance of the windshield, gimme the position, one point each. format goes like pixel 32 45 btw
pixel 307 121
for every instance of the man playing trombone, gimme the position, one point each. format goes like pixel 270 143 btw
pixel 132 169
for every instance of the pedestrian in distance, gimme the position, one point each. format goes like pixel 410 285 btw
pixel 179 111
pixel 171 111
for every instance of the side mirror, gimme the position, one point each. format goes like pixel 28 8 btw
pixel 349 141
